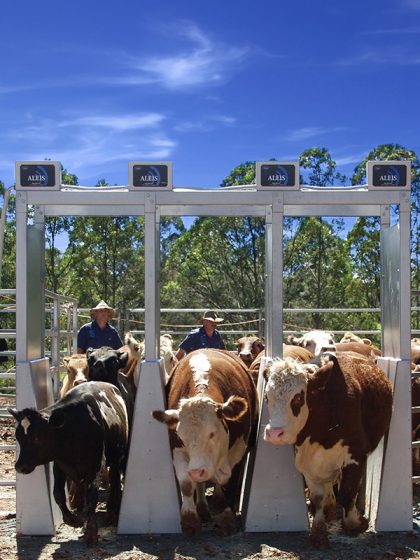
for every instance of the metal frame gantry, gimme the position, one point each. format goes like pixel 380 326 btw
pixel 274 495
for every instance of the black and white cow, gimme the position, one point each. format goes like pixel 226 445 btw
pixel 84 431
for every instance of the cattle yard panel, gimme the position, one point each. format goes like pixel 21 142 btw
pixel 153 489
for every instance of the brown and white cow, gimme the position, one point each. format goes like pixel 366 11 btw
pixel 318 342
pixel 335 414
pixel 212 411
pixel 249 347
pixel 167 353
pixel 289 351
pixel 77 372
pixel 314 341
pixel 350 337
pixel 135 351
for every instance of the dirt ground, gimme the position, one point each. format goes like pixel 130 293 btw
pixel 68 544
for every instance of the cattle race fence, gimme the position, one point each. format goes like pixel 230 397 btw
pixel 150 500
pixel 64 317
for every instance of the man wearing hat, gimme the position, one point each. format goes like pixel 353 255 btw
pixel 98 332
pixel 204 337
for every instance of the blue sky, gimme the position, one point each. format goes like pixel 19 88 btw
pixel 206 85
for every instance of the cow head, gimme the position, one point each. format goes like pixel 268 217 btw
pixel 249 347
pixel 77 369
pixel 314 341
pixel 104 364
pixel 37 435
pixel 286 392
pixel 201 425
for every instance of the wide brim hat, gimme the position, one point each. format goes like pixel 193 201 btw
pixel 211 316
pixel 103 305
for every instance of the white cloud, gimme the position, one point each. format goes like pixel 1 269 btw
pixel 310 132
pixel 117 123
pixel 382 57
pixel 207 124
pixel 204 62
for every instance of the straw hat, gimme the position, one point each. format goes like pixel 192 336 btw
pixel 102 305
pixel 211 316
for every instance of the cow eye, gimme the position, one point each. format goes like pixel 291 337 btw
pixel 211 436
pixel 298 400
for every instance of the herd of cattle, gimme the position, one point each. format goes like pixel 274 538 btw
pixel 330 400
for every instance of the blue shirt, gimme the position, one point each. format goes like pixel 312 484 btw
pixel 198 338
pixel 91 336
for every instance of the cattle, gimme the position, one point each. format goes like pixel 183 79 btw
pixel 77 372
pixel 350 337
pixel 87 427
pixel 104 364
pixel 323 341
pixel 211 415
pixel 415 353
pixel 249 347
pixel 335 414
pixel 314 341
pixel 289 351
pixel 135 351
pixel 167 354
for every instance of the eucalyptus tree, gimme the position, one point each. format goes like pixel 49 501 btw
pixel 56 230
pixel 364 239
pixel 320 170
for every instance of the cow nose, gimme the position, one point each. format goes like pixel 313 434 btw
pixel 273 435
pixel 79 381
pixel 198 475
pixel 246 357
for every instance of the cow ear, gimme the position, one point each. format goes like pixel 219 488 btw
pixel 291 339
pixel 267 365
pixel 321 372
pixel 66 360
pixel 14 413
pixel 168 417
pixel 89 352
pixel 122 357
pixel 57 419
pixel 233 409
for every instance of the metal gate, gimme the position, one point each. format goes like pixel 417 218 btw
pixel 275 497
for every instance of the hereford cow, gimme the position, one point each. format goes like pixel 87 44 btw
pixel 415 353
pixel 88 426
pixel 289 351
pixel 212 411
pixel 104 364
pixel 335 414
pixel 167 354
pixel 318 342
pixel 249 347
pixel 314 341
pixel 77 372
pixel 350 337
pixel 135 351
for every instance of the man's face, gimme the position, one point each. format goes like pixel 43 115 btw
pixel 102 315
pixel 209 325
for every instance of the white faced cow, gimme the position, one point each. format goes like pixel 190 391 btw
pixel 315 341
pixel 335 414
pixel 212 411
pixel 77 372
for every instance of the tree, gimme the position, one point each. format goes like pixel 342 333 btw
pixel 369 240
pixel 321 171
pixel 56 226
